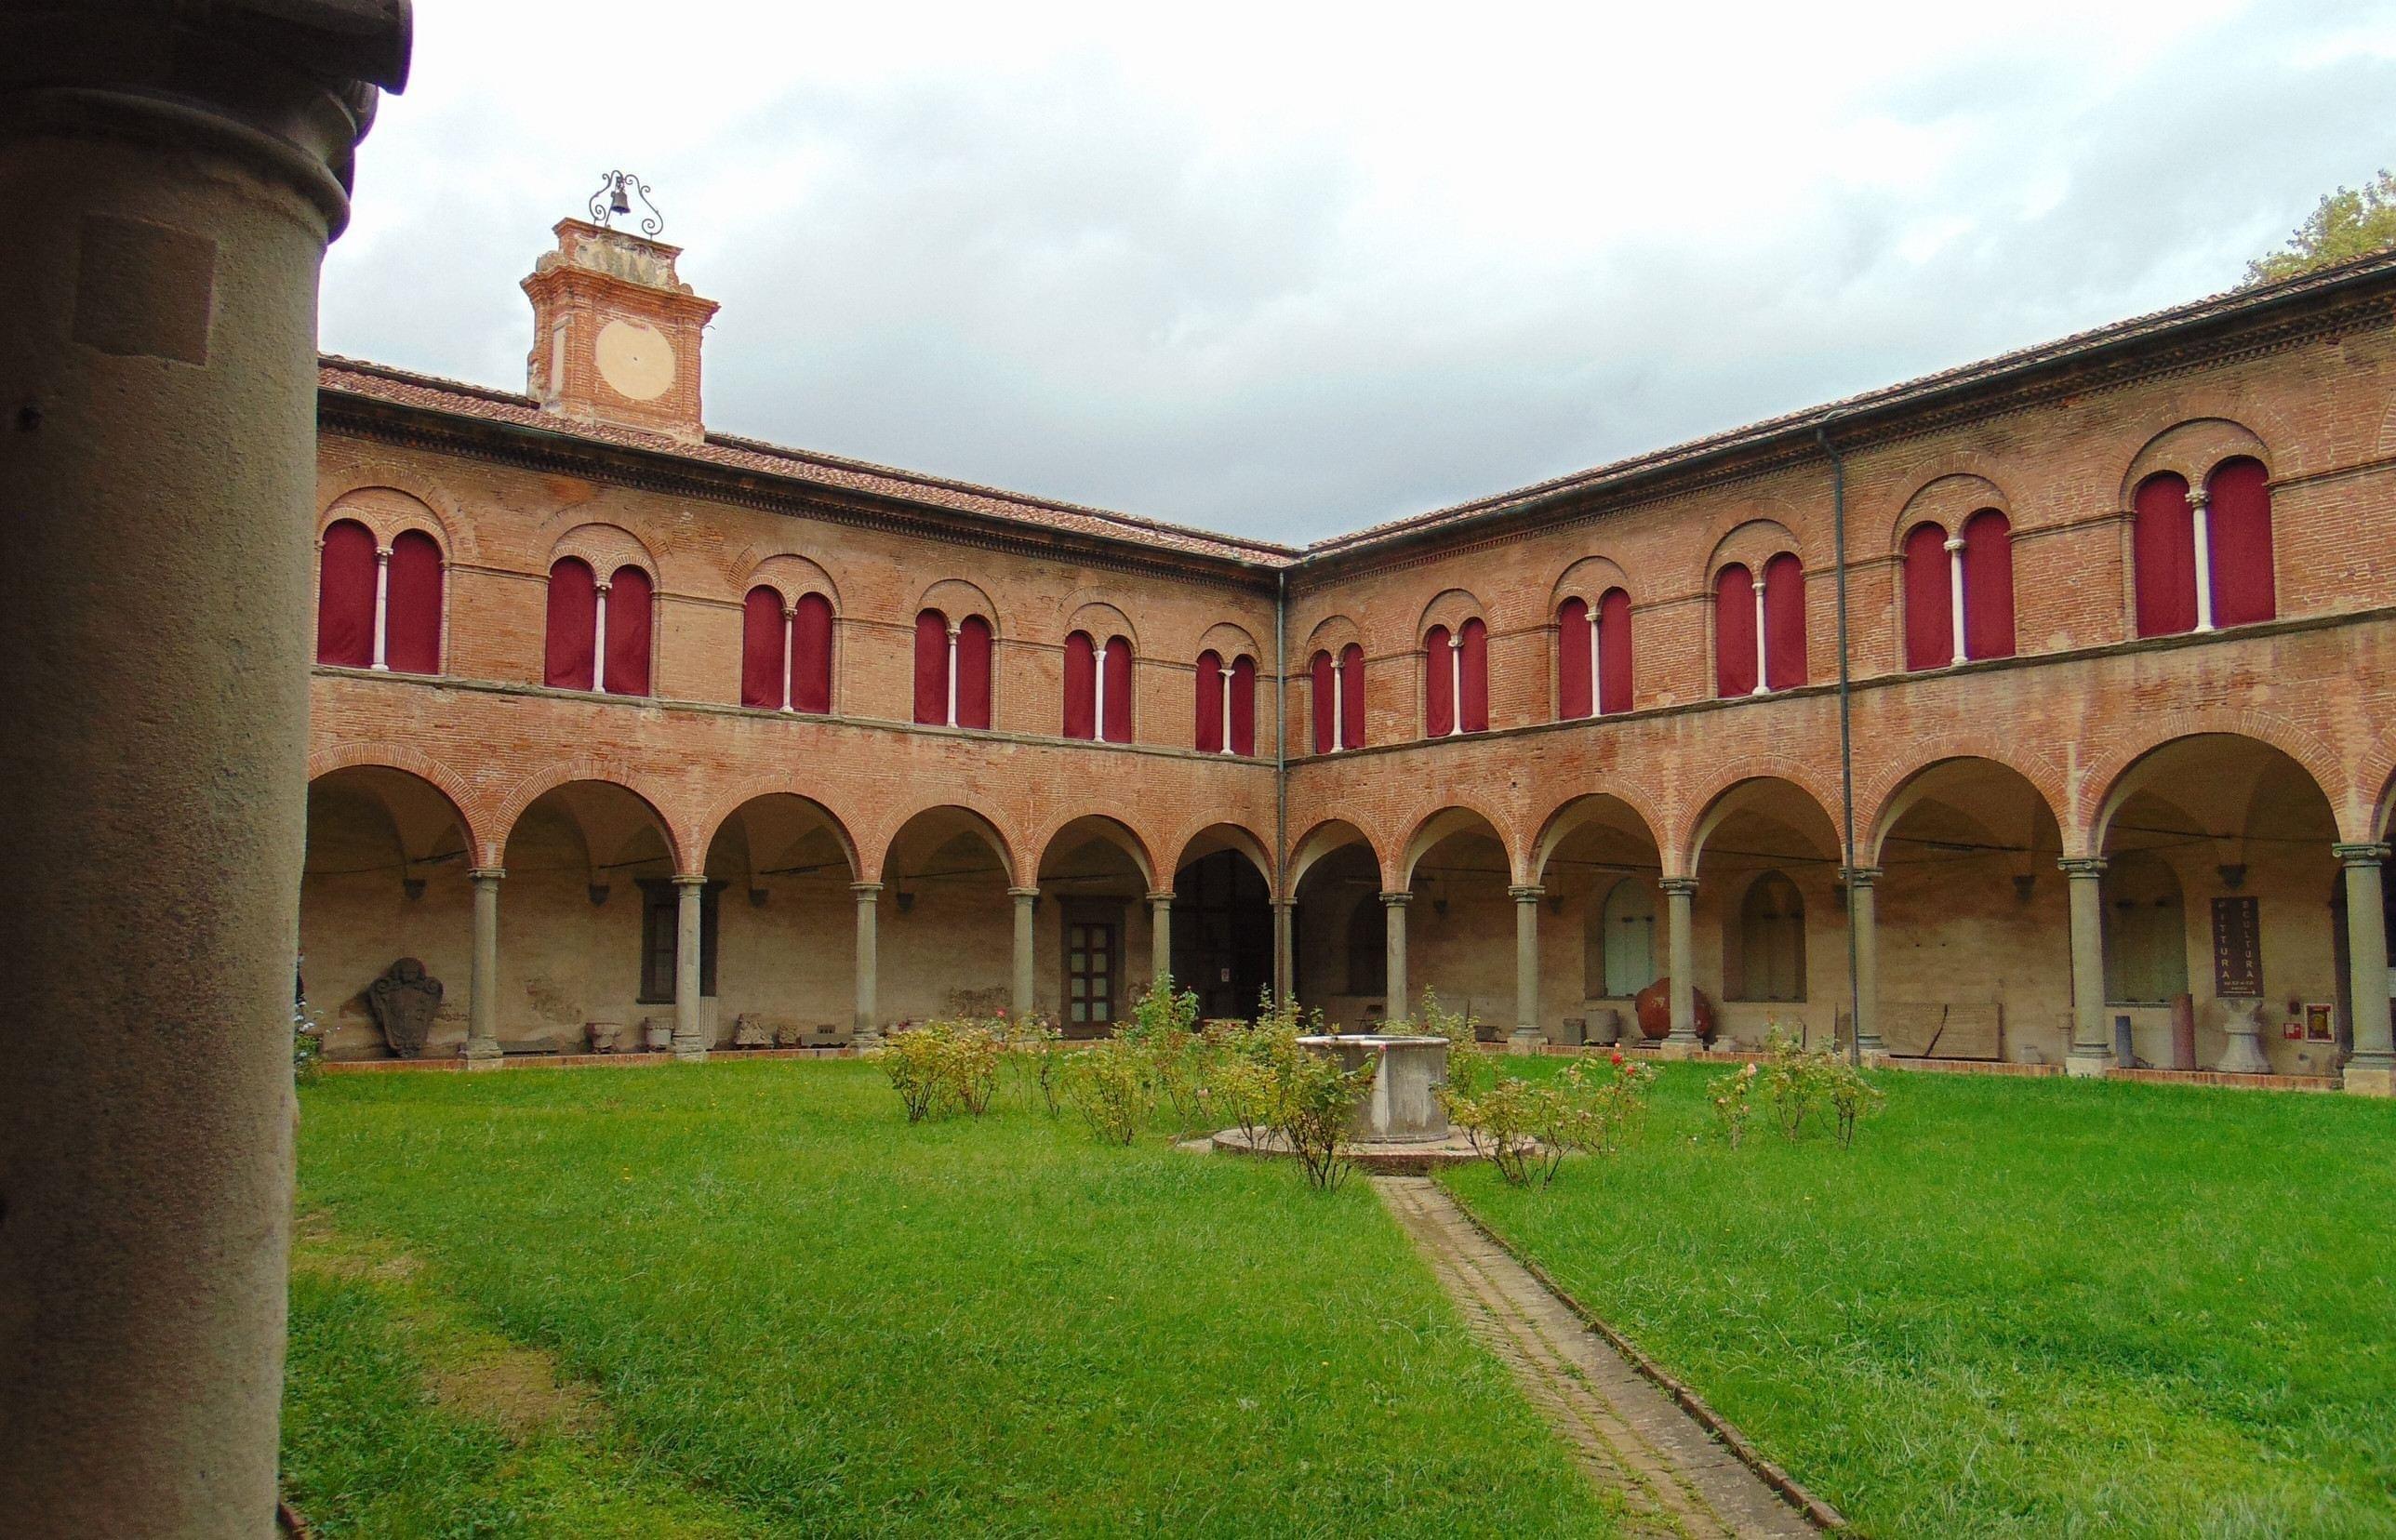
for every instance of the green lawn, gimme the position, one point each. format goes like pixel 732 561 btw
pixel 2017 1307
pixel 778 1309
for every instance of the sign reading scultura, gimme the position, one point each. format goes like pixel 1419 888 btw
pixel 2237 946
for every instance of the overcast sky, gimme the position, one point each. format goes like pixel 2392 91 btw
pixel 1284 270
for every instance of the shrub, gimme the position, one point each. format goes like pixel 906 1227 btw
pixel 1500 1120
pixel 1732 1103
pixel 1525 1129
pixel 1108 1085
pixel 1597 1113
pixel 1852 1095
pixel 1468 1065
pixel 1032 1050
pixel 1312 1099
pixel 943 1067
pixel 1797 1078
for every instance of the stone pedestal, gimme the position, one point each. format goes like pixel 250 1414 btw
pixel 1403 1107
pixel 2243 1053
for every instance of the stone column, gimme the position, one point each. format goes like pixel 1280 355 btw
pixel 2372 1067
pixel 482 989
pixel 2092 1049
pixel 171 175
pixel 1284 949
pixel 2199 498
pixel 1863 913
pixel 866 1023
pixel 1679 925
pixel 1396 922
pixel 1527 1034
pixel 1025 998
pixel 690 1035
pixel 1160 935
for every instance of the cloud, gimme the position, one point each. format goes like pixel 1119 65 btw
pixel 1286 276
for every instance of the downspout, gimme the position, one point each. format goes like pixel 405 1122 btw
pixel 1846 740
pixel 1281 775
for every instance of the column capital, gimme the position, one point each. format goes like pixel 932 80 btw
pixel 1679 887
pixel 1397 900
pixel 690 878
pixel 2083 868
pixel 1530 893
pixel 1955 544
pixel 1280 903
pixel 486 874
pixel 1859 877
pixel 1020 895
pixel 2197 497
pixel 866 892
pixel 1162 896
pixel 2367 854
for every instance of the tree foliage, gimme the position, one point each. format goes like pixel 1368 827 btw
pixel 2350 222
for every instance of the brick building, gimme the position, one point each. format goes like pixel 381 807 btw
pixel 616 720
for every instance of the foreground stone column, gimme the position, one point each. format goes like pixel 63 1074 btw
pixel 2373 1069
pixel 1024 1001
pixel 1396 922
pixel 171 174
pixel 1284 949
pixel 2092 1049
pixel 690 1035
pixel 482 989
pixel 1863 913
pixel 1679 925
pixel 1527 1033
pixel 1160 935
pixel 866 1024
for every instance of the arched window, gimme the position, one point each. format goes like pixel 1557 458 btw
pixel 571 649
pixel 1987 558
pixel 1244 705
pixel 2163 544
pixel 952 671
pixel 1214 703
pixel 764 653
pixel 1455 680
pixel 1930 620
pixel 2146 925
pixel 345 596
pixel 1351 697
pixel 811 655
pixel 1097 689
pixel 1738 654
pixel 1440 668
pixel 1368 948
pixel 1337 699
pixel 1593 657
pixel 412 606
pixel 1322 702
pixel 2238 521
pixel 1771 940
pixel 1619 954
pixel 626 611
pixel 1227 703
pixel 1114 691
pixel 1784 623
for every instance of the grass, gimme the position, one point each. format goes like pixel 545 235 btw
pixel 2016 1306
pixel 748 1299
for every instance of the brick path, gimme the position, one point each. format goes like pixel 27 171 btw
pixel 1674 1477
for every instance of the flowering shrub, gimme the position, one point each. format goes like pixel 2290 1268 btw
pixel 1525 1129
pixel 1030 1051
pixel 1312 1099
pixel 1468 1065
pixel 1171 1055
pixel 1108 1083
pixel 1797 1078
pixel 1852 1096
pixel 943 1067
pixel 1730 1096
pixel 1597 1112
pixel 1498 1120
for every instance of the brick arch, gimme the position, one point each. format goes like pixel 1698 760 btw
pixel 454 524
pixel 1249 842
pixel 1425 832
pixel 2191 447
pixel 606 547
pixel 875 841
pixel 1720 535
pixel 1229 641
pixel 1885 793
pixel 510 808
pixel 388 512
pixel 957 598
pixel 1450 607
pixel 410 760
pixel 1305 852
pixel 2109 771
pixel 1947 502
pixel 1133 844
pixel 1586 580
pixel 789 575
pixel 1100 618
pixel 1687 837
pixel 2381 809
pixel 724 807
pixel 1330 634
pixel 1558 824
pixel 1752 543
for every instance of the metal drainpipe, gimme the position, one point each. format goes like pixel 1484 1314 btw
pixel 1847 737
pixel 1281 775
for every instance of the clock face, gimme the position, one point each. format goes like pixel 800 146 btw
pixel 635 360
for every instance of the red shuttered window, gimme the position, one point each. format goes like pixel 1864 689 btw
pixel 1439 684
pixel 972 672
pixel 412 612
pixel 1244 705
pixel 2238 522
pixel 2163 544
pixel 1784 623
pixel 1929 598
pixel 1473 678
pixel 1613 651
pixel 1081 704
pixel 762 651
pixel 631 610
pixel 932 669
pixel 1209 737
pixel 1114 725
pixel 1576 688
pixel 811 655
pixel 345 596
pixel 1322 702
pixel 1988 585
pixel 1351 697
pixel 1733 632
pixel 569 658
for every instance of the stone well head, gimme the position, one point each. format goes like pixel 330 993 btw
pixel 1403 1107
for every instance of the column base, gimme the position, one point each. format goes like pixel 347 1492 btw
pixel 482 1054
pixel 2375 1076
pixel 866 1038
pixel 690 1052
pixel 1526 1040
pixel 2087 1063
pixel 1680 1048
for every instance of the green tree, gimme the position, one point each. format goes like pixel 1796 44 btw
pixel 2350 222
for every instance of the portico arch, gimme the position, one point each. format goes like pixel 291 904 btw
pixel 385 878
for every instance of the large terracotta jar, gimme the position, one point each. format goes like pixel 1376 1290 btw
pixel 1654 1008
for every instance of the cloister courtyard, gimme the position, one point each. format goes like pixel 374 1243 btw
pixel 748 1297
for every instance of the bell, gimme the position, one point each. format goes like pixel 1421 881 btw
pixel 617 202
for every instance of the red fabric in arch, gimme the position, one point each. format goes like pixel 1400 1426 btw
pixel 345 596
pixel 1784 623
pixel 811 655
pixel 1322 701
pixel 631 609
pixel 2162 545
pixel 1472 709
pixel 411 637
pixel 1439 684
pixel 1574 697
pixel 1613 651
pixel 568 662
pixel 932 668
pixel 972 672
pixel 1209 737
pixel 1351 697
pixel 1116 726
pixel 1929 598
pixel 2237 523
pixel 761 649
pixel 1733 632
pixel 1988 585
pixel 1244 705
pixel 1081 703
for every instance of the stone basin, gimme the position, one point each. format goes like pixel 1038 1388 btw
pixel 1403 1107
